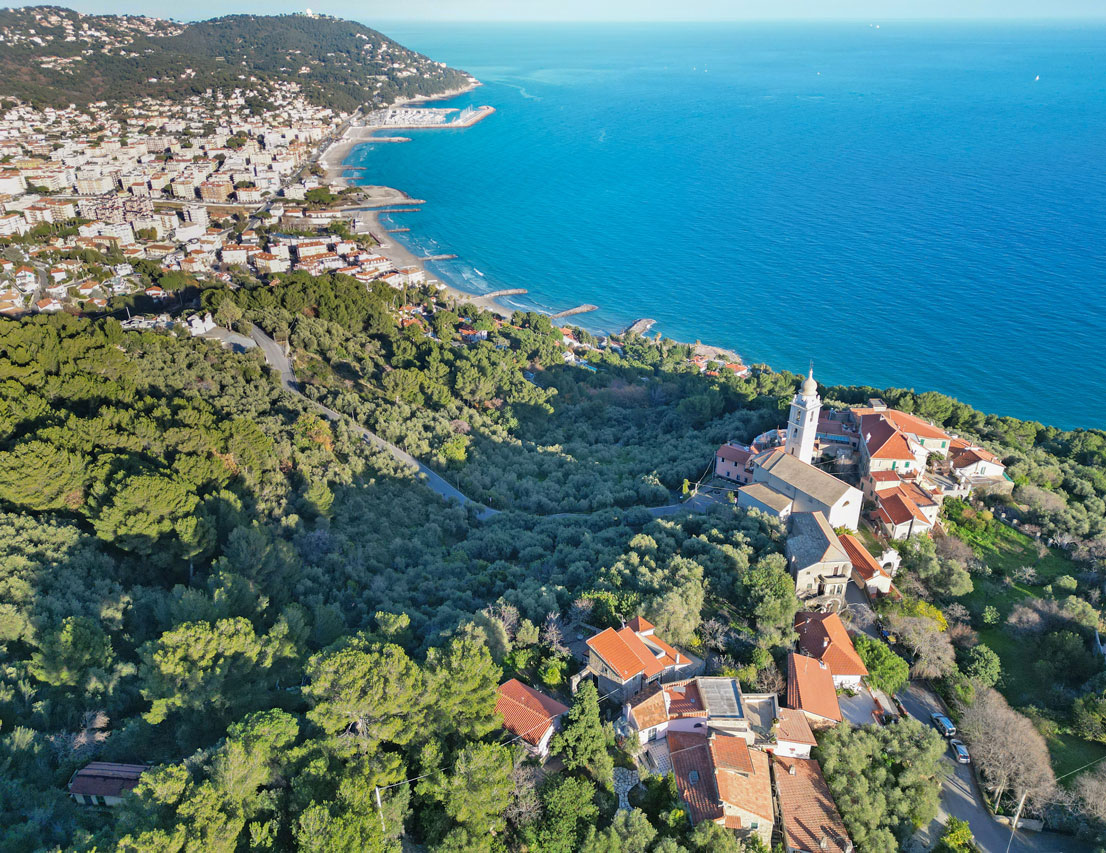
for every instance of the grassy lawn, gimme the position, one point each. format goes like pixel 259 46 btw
pixel 1004 550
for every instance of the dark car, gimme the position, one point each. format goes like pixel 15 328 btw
pixel 944 724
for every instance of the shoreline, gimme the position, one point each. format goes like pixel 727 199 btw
pixel 332 161
pixel 395 251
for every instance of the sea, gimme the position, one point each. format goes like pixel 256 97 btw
pixel 909 205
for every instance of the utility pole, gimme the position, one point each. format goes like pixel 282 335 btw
pixel 1014 824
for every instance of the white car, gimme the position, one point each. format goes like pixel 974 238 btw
pixel 960 752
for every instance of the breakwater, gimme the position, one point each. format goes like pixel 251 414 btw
pixel 579 309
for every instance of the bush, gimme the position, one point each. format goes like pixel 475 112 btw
pixel 886 670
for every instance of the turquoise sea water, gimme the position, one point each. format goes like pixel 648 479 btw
pixel 908 206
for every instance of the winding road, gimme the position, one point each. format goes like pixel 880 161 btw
pixel 274 355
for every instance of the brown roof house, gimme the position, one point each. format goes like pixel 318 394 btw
pixel 529 714
pixel 810 690
pixel 817 561
pixel 720 779
pixel 823 636
pixel 626 660
pixel 811 822
pixel 102 783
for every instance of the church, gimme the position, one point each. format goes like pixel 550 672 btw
pixel 783 480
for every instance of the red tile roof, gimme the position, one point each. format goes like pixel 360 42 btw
pixel 526 712
pixel 810 687
pixel 694 774
pixel 730 753
pixel 737 455
pixel 823 636
pixel 612 648
pixel 639 624
pixel 971 455
pixel 650 665
pixel 863 562
pixel 810 816
pixel 883 440
pixel 898 507
pixel 794 727
pixel 751 790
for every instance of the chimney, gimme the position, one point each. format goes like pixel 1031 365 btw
pixel 825 643
pixel 824 843
pixel 791 770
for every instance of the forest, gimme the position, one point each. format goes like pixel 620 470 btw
pixel 201 574
pixel 347 60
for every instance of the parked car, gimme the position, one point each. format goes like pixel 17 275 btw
pixel 944 724
pixel 960 752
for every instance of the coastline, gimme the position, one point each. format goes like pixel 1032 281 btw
pixel 333 163
pixel 333 159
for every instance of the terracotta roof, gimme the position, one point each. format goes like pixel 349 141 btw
pixel 810 817
pixel 649 663
pixel 810 687
pixel 105 779
pixel 730 753
pixel 739 455
pixel 898 507
pixel 823 636
pixel 694 774
pixel 794 727
pixel 971 455
pixel 752 790
pixel 915 425
pixel 526 712
pixel 671 655
pixel 647 708
pixel 639 624
pixel 863 562
pixel 883 440
pixel 610 646
pixel 624 652
pixel 884 476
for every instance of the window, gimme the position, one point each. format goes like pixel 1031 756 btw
pixel 754 825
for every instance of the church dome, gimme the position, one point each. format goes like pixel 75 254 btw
pixel 810 387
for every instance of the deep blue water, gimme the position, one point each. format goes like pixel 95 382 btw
pixel 906 205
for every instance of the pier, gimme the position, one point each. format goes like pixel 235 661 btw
pixel 399 210
pixel 511 291
pixel 639 327
pixel 433 257
pixel 579 309
pixel 396 230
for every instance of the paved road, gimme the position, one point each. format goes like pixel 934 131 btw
pixel 274 355
pixel 961 798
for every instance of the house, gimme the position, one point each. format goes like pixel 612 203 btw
pixel 624 661
pixel 973 462
pixel 817 561
pixel 733 462
pixel 823 636
pixel 48 306
pixel 156 292
pixel 766 499
pixel 810 690
pixel 720 779
pixel 867 572
pixel 811 489
pixel 26 279
pixel 103 783
pixel 529 714
pixel 794 737
pixel 200 324
pixel 809 816
pixel 659 709
pixel 906 510
pixel 884 448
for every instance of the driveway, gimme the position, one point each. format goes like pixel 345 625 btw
pixel 961 799
pixel 859 608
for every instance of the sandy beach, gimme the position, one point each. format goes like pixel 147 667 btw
pixel 332 159
pixel 401 256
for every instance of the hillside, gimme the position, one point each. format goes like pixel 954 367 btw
pixel 56 56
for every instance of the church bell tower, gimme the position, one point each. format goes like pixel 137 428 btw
pixel 803 421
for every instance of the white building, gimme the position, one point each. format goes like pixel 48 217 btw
pixel 802 423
